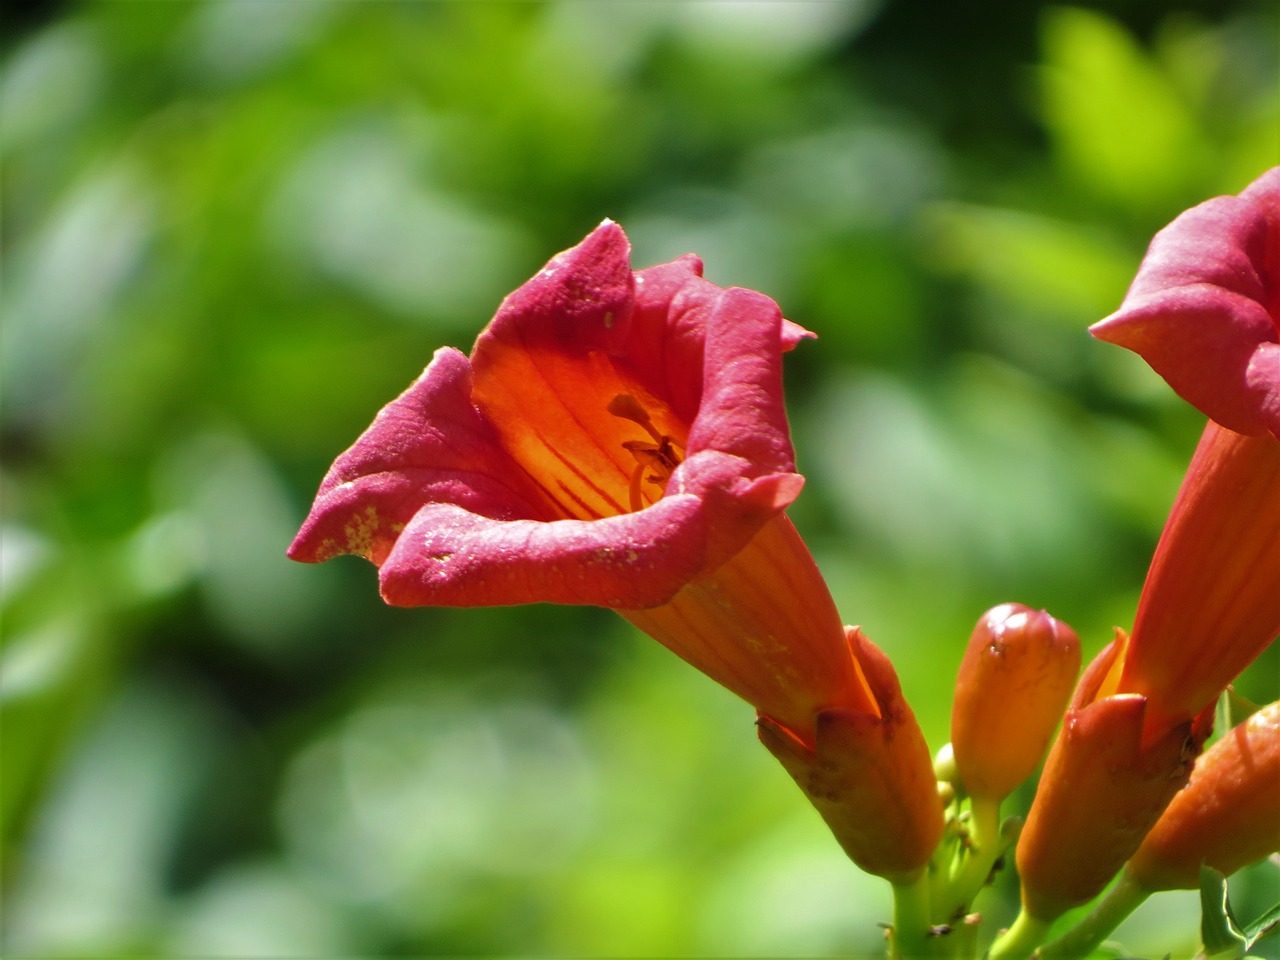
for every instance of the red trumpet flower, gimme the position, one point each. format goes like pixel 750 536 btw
pixel 616 439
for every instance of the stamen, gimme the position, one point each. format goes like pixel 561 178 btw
pixel 661 456
pixel 633 490
pixel 627 407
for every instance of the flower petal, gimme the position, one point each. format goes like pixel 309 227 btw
pixel 428 445
pixel 512 478
pixel 1204 309
pixel 448 556
pixel 581 300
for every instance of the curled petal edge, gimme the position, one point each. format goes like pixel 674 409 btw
pixel 449 556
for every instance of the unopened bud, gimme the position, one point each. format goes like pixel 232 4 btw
pixel 1015 681
pixel 944 764
pixel 869 776
pixel 1104 786
pixel 1227 817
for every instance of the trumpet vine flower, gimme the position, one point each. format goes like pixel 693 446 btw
pixel 1104 784
pixel 615 438
pixel 1014 681
pixel 1227 817
pixel 1204 311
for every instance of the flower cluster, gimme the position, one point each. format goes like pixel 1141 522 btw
pixel 1204 311
pixel 618 438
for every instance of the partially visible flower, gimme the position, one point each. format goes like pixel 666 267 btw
pixel 1204 312
pixel 1014 681
pixel 1210 605
pixel 869 774
pixel 1227 817
pixel 1204 309
pixel 616 439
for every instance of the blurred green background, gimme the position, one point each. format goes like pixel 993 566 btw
pixel 234 229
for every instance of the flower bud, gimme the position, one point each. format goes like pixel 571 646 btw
pixel 1014 682
pixel 870 777
pixel 1104 785
pixel 1227 817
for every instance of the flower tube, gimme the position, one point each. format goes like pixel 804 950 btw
pixel 1227 817
pixel 1104 784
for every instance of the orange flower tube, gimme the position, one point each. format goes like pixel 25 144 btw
pixel 1227 817
pixel 1211 602
pixel 1103 787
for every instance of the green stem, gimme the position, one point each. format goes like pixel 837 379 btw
pixel 964 938
pixel 1020 940
pixel 1120 901
pixel 984 848
pixel 911 938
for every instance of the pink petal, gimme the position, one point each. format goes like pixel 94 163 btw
pixel 448 556
pixel 1203 309
pixel 436 492
pixel 428 445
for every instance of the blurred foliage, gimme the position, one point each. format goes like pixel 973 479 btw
pixel 233 229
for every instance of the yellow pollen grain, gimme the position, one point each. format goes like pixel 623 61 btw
pixel 359 532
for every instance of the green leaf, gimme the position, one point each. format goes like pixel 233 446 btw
pixel 1114 112
pixel 1233 710
pixel 1265 925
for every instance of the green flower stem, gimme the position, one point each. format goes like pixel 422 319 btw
pixel 911 937
pixel 964 938
pixel 984 847
pixel 1020 940
pixel 1120 901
